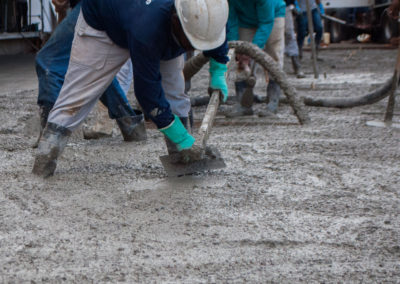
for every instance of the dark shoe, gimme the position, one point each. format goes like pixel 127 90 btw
pixel 43 115
pixel 51 145
pixel 132 127
pixel 297 67
pixel 273 94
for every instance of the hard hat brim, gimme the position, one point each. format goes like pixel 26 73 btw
pixel 206 45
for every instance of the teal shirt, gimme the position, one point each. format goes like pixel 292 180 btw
pixel 259 14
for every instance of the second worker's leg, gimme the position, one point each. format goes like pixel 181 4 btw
pixel 87 77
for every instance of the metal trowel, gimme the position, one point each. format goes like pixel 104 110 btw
pixel 212 158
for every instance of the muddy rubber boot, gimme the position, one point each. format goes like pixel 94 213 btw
pixel 171 147
pixel 238 109
pixel 240 88
pixel 273 94
pixel 297 67
pixel 51 145
pixel 132 127
pixel 43 115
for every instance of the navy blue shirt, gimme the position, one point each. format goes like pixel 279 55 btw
pixel 145 29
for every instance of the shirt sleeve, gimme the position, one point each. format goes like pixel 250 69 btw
pixel 147 84
pixel 233 23
pixel 266 17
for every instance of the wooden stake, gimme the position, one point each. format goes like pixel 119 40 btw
pixel 311 33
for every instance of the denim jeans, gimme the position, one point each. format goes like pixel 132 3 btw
pixel 302 27
pixel 52 65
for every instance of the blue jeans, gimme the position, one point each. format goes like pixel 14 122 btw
pixel 302 27
pixel 52 65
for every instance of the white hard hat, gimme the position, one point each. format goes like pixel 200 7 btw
pixel 203 21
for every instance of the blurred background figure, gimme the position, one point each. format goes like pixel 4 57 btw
pixel 291 47
pixel 22 15
pixel 302 22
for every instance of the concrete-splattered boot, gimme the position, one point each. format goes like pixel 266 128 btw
pixel 273 94
pixel 297 67
pixel 132 127
pixel 51 145
pixel 238 109
pixel 43 115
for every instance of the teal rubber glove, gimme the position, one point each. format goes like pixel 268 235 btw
pixel 178 134
pixel 321 9
pixel 218 79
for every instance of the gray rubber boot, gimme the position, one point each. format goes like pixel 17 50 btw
pixel 297 67
pixel 51 145
pixel 273 94
pixel 238 109
pixel 43 115
pixel 171 147
pixel 132 127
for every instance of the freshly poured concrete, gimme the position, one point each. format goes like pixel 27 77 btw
pixel 312 204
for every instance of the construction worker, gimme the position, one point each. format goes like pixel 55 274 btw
pixel 317 9
pixel 291 47
pixel 152 33
pixel 263 23
pixel 51 67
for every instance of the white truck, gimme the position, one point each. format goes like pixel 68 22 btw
pixel 362 16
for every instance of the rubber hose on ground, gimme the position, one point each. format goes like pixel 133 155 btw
pixel 347 102
pixel 276 73
pixel 194 65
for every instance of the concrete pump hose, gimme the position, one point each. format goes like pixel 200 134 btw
pixel 194 65
pixel 349 102
pixel 276 72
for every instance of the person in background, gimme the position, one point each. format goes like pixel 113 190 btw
pixel 22 15
pixel 317 9
pixel 261 22
pixel 291 47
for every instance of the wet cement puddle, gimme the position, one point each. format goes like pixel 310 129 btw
pixel 178 183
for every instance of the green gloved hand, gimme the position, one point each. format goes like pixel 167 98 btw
pixel 178 134
pixel 218 79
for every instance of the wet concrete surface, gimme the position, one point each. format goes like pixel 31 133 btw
pixel 317 203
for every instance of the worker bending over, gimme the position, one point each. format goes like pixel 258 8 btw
pixel 150 32
pixel 52 64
